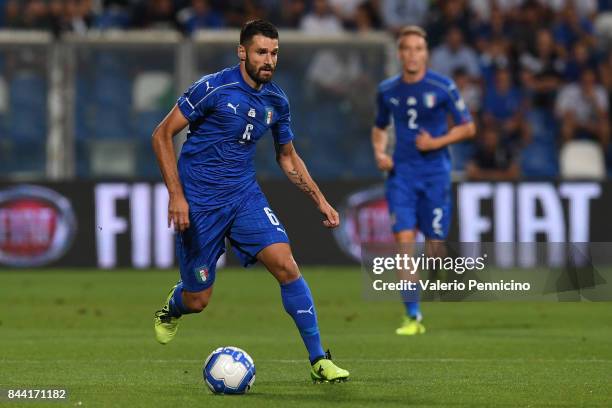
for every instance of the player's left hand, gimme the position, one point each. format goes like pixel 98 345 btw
pixel 425 142
pixel 332 219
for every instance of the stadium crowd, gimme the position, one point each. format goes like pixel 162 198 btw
pixel 532 71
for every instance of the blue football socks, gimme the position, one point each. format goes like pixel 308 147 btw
pixel 177 308
pixel 412 304
pixel 298 302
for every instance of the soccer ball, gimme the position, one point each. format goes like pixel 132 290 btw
pixel 229 370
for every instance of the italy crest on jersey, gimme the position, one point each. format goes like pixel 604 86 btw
pixel 429 99
pixel 201 273
pixel 269 113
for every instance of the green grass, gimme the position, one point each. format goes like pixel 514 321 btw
pixel 91 332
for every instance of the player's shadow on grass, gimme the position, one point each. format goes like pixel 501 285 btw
pixel 486 326
pixel 334 393
pixel 350 392
pixel 331 395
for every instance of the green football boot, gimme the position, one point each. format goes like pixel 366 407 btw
pixel 410 327
pixel 325 371
pixel 165 325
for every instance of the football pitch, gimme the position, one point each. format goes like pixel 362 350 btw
pixel 90 332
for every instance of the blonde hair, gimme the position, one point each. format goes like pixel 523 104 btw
pixel 411 30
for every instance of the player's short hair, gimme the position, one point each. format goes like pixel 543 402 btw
pixel 411 30
pixel 257 27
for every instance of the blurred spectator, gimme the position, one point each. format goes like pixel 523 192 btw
pixel 504 108
pixel 482 9
pixel 496 27
pixel 321 20
pixel 292 12
pixel 358 15
pixel 605 70
pixel 542 70
pixel 272 10
pixel 155 14
pixel 199 16
pixel 11 14
pixel 238 12
pixel 495 55
pixel 35 15
pixel 530 18
pixel 572 28
pixel 399 13
pixel 345 10
pixel 583 110
pixel 454 54
pixel 57 15
pixel 584 8
pixel 114 14
pixel 333 73
pixel 579 60
pixel 366 18
pixel 449 13
pixel 470 92
pixel 79 16
pixel 492 161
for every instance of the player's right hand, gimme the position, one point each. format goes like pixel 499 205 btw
pixel 384 162
pixel 178 212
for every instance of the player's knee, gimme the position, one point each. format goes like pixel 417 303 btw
pixel 286 270
pixel 407 237
pixel 196 303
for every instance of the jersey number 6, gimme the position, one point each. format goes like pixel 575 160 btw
pixel 247 132
pixel 271 216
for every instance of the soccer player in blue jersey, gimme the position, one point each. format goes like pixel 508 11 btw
pixel 418 188
pixel 214 193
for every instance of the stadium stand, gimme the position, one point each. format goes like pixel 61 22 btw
pixel 512 60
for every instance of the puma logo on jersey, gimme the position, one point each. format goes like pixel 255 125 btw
pixel 307 311
pixel 229 105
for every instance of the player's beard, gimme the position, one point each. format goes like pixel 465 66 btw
pixel 254 72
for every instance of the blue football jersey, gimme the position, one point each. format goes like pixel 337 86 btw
pixel 414 106
pixel 226 118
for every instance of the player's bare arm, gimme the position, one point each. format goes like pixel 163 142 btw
pixel 295 169
pixel 178 209
pixel 425 142
pixel 380 139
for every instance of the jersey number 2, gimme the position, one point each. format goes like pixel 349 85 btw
pixel 435 223
pixel 412 117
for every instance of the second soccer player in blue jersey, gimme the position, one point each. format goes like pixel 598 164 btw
pixel 418 188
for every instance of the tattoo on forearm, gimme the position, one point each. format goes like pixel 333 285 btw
pixel 298 179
